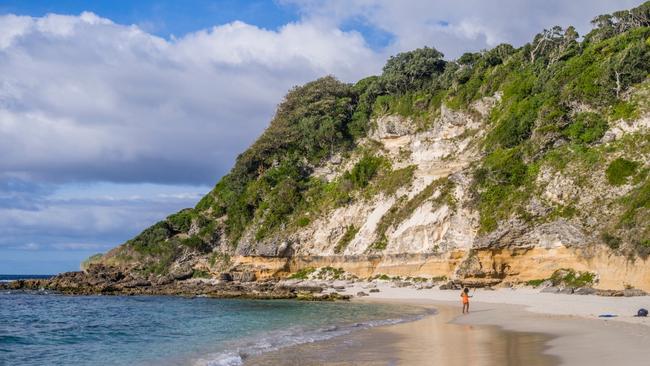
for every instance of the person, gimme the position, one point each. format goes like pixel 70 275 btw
pixel 465 296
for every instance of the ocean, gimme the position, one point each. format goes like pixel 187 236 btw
pixel 39 328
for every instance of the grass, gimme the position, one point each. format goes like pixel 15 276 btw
pixel 197 273
pixel 350 232
pixel 620 170
pixel 535 283
pixel 302 274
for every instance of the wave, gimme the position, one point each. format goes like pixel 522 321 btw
pixel 275 340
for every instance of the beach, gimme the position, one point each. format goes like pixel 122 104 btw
pixel 505 327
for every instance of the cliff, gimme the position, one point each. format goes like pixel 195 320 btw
pixel 503 166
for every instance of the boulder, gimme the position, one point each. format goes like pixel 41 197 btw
pixel 567 291
pixel 585 291
pixel 550 290
pixel 361 294
pixel 374 290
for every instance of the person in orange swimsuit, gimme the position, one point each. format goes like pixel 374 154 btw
pixel 465 296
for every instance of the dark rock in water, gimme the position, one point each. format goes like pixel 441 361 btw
pixel 361 294
pixel 338 287
pixel 585 291
pixel 642 312
pixel 550 290
pixel 225 277
pixel 373 290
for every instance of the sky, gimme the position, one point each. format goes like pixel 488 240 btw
pixel 115 114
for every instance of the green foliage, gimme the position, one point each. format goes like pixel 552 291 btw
pixel 205 203
pixel 571 278
pixel 613 242
pixel 268 179
pixel 391 181
pixel 197 273
pixel 181 221
pixel 364 170
pixel 302 274
pixel 350 232
pixel 223 259
pixel 502 183
pixel 535 283
pixel 411 70
pixel 330 273
pixel 90 260
pixel 619 170
pixel 151 239
pixel 195 243
pixel 303 221
pixel 624 110
pixel 587 127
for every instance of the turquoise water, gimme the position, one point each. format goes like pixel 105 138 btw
pixel 52 329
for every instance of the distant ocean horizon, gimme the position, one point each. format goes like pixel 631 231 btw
pixel 14 277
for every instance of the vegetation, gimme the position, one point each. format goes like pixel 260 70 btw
pixel 350 232
pixel 302 274
pixel 619 170
pixel 558 96
pixel 571 278
pixel 535 283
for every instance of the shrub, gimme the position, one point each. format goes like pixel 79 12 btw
pixel 571 278
pixel 350 232
pixel 612 241
pixel 302 274
pixel 197 273
pixel 303 221
pixel 535 283
pixel 619 170
pixel 181 221
pixel 587 127
pixel 364 170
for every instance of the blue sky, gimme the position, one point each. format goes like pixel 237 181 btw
pixel 115 114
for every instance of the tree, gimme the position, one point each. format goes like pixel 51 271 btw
pixel 410 70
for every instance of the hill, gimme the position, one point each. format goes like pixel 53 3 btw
pixel 504 166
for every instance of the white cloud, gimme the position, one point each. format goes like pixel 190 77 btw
pixel 458 26
pixel 82 98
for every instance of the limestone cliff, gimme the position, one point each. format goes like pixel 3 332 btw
pixel 500 167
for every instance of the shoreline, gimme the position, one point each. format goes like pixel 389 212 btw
pixel 503 328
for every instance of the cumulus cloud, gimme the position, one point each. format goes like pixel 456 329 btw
pixel 458 26
pixel 82 98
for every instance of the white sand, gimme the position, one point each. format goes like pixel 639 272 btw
pixel 587 306
pixel 580 337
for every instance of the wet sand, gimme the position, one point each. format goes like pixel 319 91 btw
pixel 433 340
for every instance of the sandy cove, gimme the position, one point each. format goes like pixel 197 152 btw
pixel 505 327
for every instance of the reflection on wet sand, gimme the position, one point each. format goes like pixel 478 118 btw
pixel 430 341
